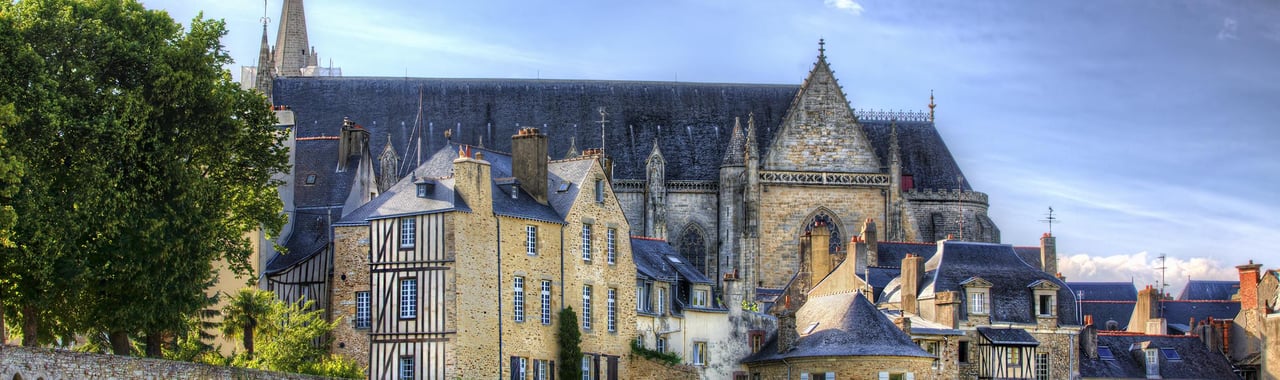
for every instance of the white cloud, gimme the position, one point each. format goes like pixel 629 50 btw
pixel 1141 269
pixel 1228 31
pixel 845 5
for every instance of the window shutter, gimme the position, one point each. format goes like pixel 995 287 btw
pixel 595 359
pixel 515 368
pixel 613 367
pixel 552 372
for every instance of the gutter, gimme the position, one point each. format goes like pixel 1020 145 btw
pixel 498 240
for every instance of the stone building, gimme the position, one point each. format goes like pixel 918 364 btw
pixel 291 56
pixel 460 268
pixel 1121 355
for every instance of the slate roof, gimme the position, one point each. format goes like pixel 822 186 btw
pixel 1197 361
pixel 1182 312
pixel 310 236
pixel 1209 290
pixel 880 277
pixel 1105 291
pixel 890 254
pixel 847 325
pixel 1011 300
pixel 1031 255
pixel 1008 337
pixel 650 258
pixel 922 326
pixel 690 121
pixel 1103 311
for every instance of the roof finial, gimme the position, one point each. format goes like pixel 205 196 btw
pixel 931 105
pixel 822 49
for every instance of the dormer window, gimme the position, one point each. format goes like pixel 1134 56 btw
pixel 425 187
pixel 978 295
pixel 1045 295
pixel 1153 362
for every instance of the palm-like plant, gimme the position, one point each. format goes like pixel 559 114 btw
pixel 243 312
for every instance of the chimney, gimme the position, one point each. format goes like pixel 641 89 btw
pixel 354 141
pixel 1049 253
pixel 872 238
pixel 1147 307
pixel 1089 338
pixel 787 334
pixel 858 249
pixel 529 162
pixel 471 180
pixel 1249 285
pixel 819 252
pixel 903 323
pixel 912 268
pixel 948 308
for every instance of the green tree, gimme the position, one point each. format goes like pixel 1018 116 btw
pixel 242 314
pixel 569 339
pixel 294 336
pixel 144 165
pixel 10 173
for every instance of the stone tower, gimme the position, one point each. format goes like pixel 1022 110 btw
pixel 292 49
pixel 655 205
pixel 732 178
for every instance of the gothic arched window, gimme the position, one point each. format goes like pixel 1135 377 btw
pixel 825 220
pixel 694 248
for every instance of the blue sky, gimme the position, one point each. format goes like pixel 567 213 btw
pixel 1149 126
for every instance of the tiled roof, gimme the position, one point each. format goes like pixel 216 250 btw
pixel 1008 337
pixel 846 325
pixel 1197 361
pixel 1104 311
pixel 957 261
pixel 1197 290
pixel 1105 291
pixel 890 254
pixel 649 256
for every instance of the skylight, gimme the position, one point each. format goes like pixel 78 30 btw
pixel 1170 353
pixel 809 330
pixel 1104 353
pixel 674 259
pixel 564 186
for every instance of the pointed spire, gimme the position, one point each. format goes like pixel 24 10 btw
pixel 655 155
pixel 751 137
pixel 573 148
pixel 266 71
pixel 931 106
pixel 292 51
pixel 893 143
pixel 733 154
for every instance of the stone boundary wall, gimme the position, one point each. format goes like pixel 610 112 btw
pixel 646 369
pixel 41 363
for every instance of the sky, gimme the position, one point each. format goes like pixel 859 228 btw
pixel 1149 126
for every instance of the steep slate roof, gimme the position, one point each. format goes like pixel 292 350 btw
pixel 1008 337
pixel 572 171
pixel 649 255
pixel 1105 291
pixel 890 254
pixel 1197 361
pixel 1031 255
pixel 847 325
pixel 1178 314
pixel 1200 290
pixel 957 261
pixel 310 237
pixel 1103 311
pixel 691 121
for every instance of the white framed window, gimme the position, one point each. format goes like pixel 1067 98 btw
pixel 362 310
pixel 661 344
pixel 700 298
pixel 699 353
pixel 531 240
pixel 818 376
pixel 1042 366
pixel 541 368
pixel 408 298
pixel 661 300
pixel 611 245
pixel 408 232
pixel 586 307
pixel 613 310
pixel 586 242
pixel 977 302
pixel 586 367
pixel 546 302
pixel 517 300
pixel 642 296
pixel 522 369
pixel 1045 305
pixel 406 368
pixel 1153 362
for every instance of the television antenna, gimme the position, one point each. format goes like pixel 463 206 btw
pixel 1049 218
pixel 603 120
pixel 1162 284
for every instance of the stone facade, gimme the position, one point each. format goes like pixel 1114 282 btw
pixel 645 369
pixel 788 211
pixel 845 367
pixel 351 269
pixel 41 363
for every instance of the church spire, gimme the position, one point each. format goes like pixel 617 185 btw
pixel 573 148
pixel 292 49
pixel 262 80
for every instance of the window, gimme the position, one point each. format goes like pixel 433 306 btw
pixel 613 310
pixel 1042 366
pixel 586 242
pixel 611 245
pixel 662 299
pixel 642 296
pixel 1012 356
pixel 699 353
pixel 311 179
pixel 409 298
pixel 1153 362
pixel 406 368
pixel 963 352
pixel 519 368
pixel 1104 353
pixel 599 191
pixel 541 369
pixel 1170 353
pixel 408 232
pixel 362 310
pixel 818 376
pixel 978 303
pixel 586 307
pixel 700 298
pixel 422 190
pixel 546 302
pixel 517 302
pixel 932 347
pixel 757 340
pixel 661 344
pixel 1045 305
pixel 586 367
pixel 531 240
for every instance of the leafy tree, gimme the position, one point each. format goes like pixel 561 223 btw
pixel 243 312
pixel 144 164
pixel 569 339
pixel 10 173
pixel 289 337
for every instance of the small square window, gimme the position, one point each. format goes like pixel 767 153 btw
pixel 1104 353
pixel 311 179
pixel 1170 353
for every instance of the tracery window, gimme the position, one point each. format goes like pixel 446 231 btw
pixel 694 248
pixel 825 220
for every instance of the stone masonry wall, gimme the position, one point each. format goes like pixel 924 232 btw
pixel 846 367
pixel 937 216
pixel 784 211
pixel 685 210
pixel 351 275
pixel 529 338
pixel 1271 342
pixel 40 363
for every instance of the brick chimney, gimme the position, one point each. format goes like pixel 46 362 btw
pixel 353 142
pixel 1089 338
pixel 912 269
pixel 903 323
pixel 1146 310
pixel 529 162
pixel 1049 253
pixel 1249 285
